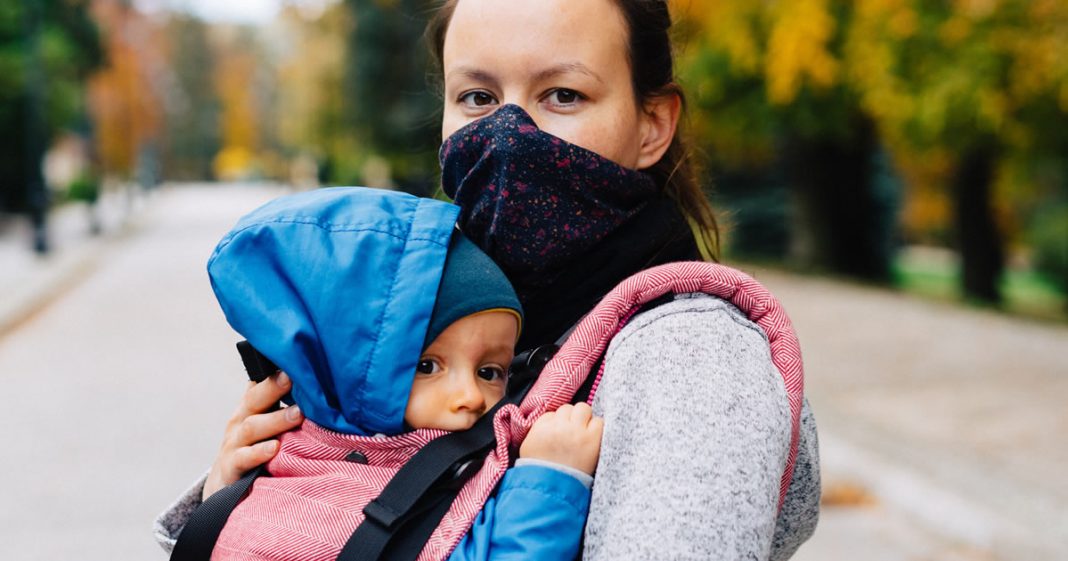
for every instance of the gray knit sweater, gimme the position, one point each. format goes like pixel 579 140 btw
pixel 697 431
pixel 696 437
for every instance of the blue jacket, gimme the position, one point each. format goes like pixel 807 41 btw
pixel 336 287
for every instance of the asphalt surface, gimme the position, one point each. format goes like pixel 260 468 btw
pixel 950 419
pixel 942 428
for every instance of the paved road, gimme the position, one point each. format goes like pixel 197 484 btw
pixel 117 392
pixel 942 429
pixel 946 419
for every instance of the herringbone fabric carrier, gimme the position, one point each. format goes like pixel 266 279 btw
pixel 316 497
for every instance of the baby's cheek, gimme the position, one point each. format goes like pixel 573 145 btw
pixel 412 413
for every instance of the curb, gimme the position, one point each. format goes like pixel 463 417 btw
pixel 43 280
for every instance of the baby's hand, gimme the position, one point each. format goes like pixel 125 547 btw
pixel 570 436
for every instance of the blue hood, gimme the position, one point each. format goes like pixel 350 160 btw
pixel 336 287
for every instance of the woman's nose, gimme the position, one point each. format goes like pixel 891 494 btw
pixel 532 111
pixel 466 394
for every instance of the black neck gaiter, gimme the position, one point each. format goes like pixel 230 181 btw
pixel 564 223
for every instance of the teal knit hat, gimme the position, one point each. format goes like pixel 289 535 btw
pixel 470 283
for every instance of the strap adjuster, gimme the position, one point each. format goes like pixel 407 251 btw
pixel 381 514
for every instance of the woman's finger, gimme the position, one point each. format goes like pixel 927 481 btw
pixel 254 428
pixel 247 458
pixel 231 465
pixel 262 397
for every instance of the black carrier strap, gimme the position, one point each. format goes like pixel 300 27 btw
pixel 259 367
pixel 202 530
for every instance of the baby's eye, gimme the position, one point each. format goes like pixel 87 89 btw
pixel 477 99
pixel 427 366
pixel 491 373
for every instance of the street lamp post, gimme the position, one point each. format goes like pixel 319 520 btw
pixel 36 191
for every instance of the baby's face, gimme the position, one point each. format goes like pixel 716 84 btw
pixel 463 373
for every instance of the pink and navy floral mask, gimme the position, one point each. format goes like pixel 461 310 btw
pixel 531 200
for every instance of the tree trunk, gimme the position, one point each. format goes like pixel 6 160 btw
pixel 841 224
pixel 978 239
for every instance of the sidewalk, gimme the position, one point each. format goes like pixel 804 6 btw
pixel 948 420
pixel 29 281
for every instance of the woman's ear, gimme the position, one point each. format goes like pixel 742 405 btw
pixel 660 118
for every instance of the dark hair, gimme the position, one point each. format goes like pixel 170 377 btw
pixel 653 75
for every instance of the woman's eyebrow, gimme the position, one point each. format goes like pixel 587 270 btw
pixel 479 75
pixel 476 74
pixel 566 68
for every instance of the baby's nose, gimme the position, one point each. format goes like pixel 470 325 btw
pixel 466 394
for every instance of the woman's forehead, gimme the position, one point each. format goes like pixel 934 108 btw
pixel 536 36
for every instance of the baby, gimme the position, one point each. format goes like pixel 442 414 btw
pixel 387 320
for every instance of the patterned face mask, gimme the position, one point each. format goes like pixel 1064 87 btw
pixel 530 200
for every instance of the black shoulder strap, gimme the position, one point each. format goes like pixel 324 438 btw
pixel 202 530
pixel 258 366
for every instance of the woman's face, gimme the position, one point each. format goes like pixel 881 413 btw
pixel 563 61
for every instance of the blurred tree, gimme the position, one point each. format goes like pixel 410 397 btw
pixel 389 103
pixel 47 50
pixel 983 82
pixel 955 89
pixel 126 96
pixel 192 135
pixel 238 63
pixel 310 79
pixel 772 106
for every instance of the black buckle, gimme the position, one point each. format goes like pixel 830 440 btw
pixel 461 471
pixel 527 365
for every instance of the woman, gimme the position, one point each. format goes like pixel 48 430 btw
pixel 561 147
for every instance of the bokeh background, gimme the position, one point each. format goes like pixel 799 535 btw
pixel 896 171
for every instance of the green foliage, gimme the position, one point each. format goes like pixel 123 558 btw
pixel 193 134
pixel 85 188
pixel 1026 293
pixel 940 81
pixel 56 41
pixel 1049 238
pixel 389 101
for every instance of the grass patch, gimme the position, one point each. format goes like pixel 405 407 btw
pixel 936 274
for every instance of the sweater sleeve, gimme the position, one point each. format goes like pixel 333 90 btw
pixel 537 514
pixel 170 522
pixel 697 434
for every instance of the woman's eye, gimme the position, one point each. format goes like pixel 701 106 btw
pixel 491 373
pixel 427 366
pixel 477 99
pixel 564 96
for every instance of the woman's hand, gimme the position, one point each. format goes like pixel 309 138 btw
pixel 570 436
pixel 250 434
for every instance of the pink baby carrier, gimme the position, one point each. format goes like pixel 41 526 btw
pixel 420 509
